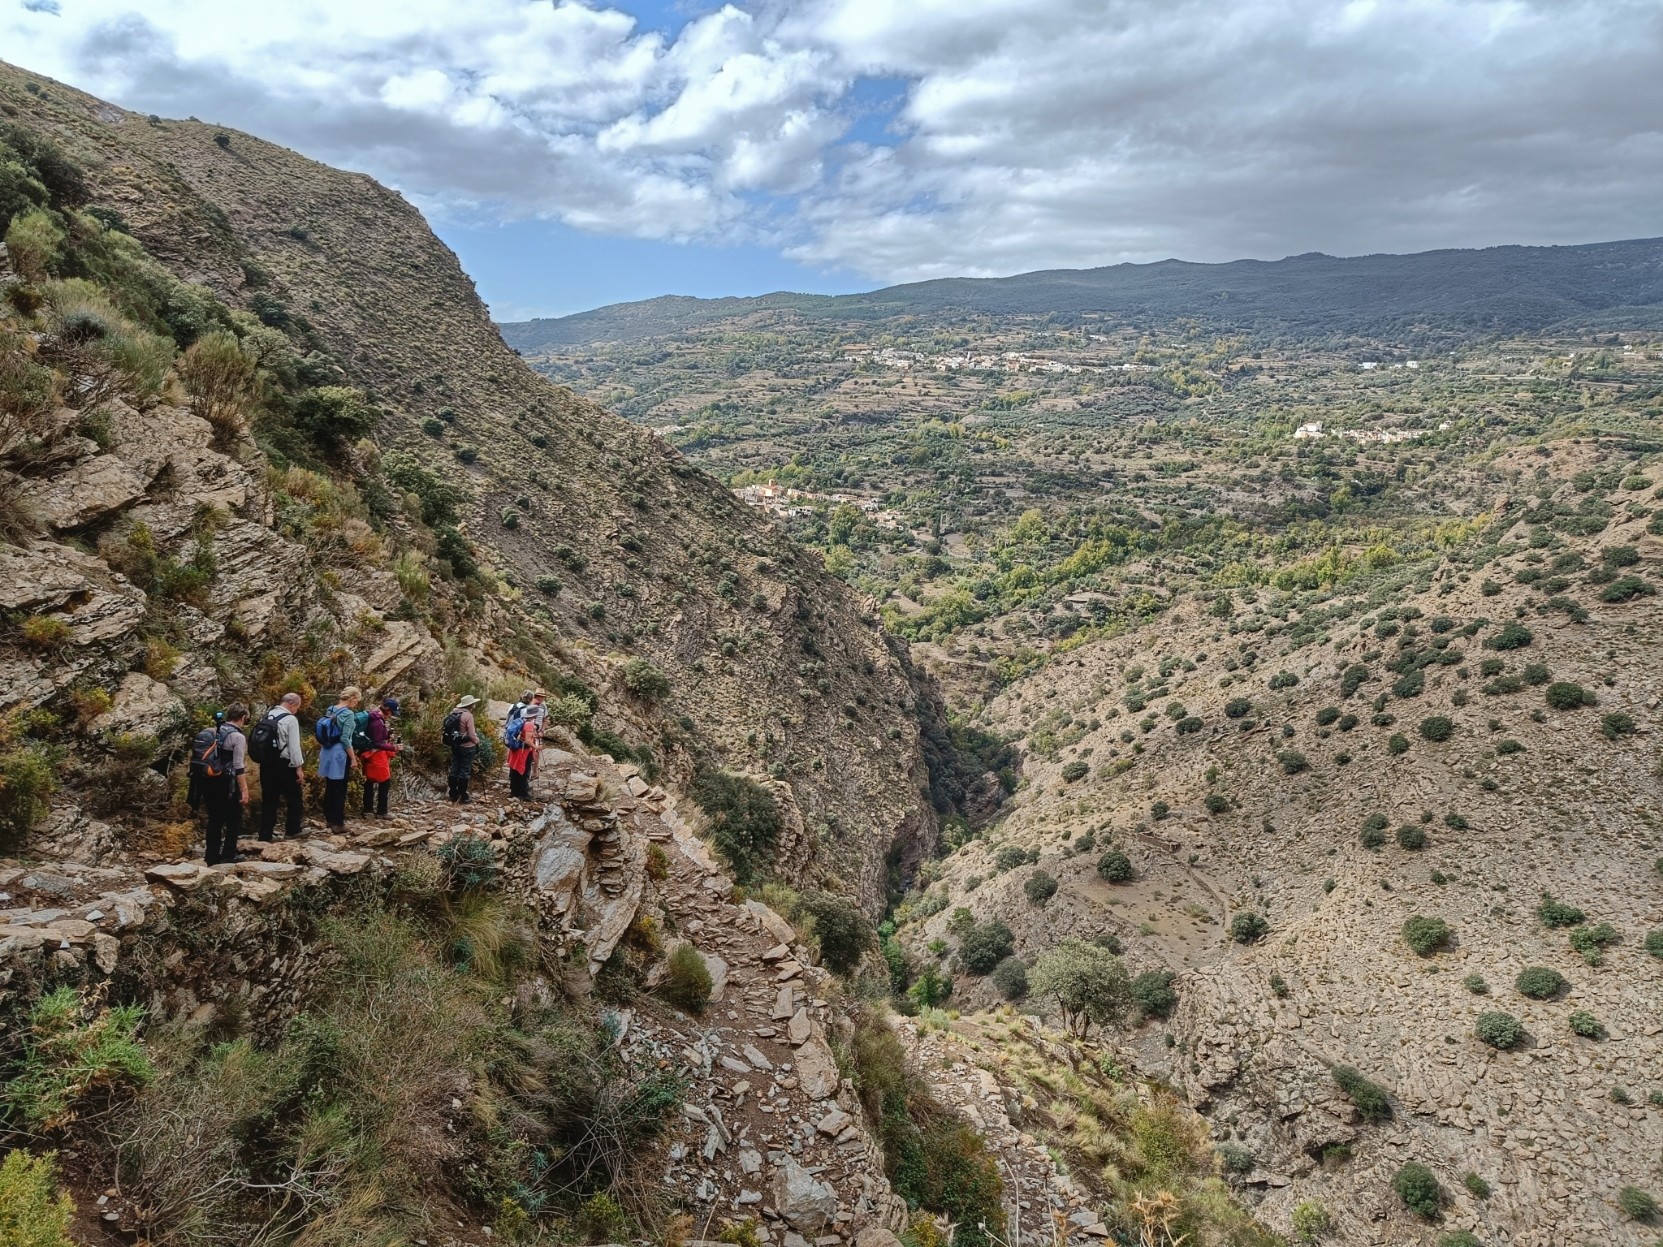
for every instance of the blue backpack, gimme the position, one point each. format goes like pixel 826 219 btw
pixel 514 734
pixel 327 729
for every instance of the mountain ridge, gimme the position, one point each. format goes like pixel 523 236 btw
pixel 1509 287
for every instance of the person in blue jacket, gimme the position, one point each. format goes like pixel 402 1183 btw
pixel 336 757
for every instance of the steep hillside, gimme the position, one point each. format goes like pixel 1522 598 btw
pixel 611 546
pixel 1494 290
pixel 1458 740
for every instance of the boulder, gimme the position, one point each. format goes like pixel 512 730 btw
pixel 69 835
pixel 876 1236
pixel 89 491
pixel 816 1070
pixel 806 1204
pixel 141 707
pixel 402 647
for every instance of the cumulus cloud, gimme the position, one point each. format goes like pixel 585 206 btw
pixel 1021 133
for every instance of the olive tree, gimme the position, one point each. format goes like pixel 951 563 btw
pixel 1089 984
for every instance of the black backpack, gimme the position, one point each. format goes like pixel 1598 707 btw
pixel 450 732
pixel 265 742
pixel 208 753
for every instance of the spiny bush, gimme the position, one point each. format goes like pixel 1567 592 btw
pixel 1499 1030
pixel 71 1053
pixel 468 862
pixel 1426 935
pixel 1591 942
pixel 1371 1099
pixel 1552 913
pixel 1566 695
pixel 1540 982
pixel 1411 836
pixel 1115 867
pixel 33 1213
pixel 1437 728
pixel 687 980
pixel 1327 715
pixel 1586 1024
pixel 1476 984
pixel 1417 1187
pixel 1248 927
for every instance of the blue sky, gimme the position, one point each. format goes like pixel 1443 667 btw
pixel 583 152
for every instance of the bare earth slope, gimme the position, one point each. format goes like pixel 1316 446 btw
pixel 1521 798
pixel 773 666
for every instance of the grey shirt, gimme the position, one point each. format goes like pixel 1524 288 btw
pixel 233 742
pixel 288 737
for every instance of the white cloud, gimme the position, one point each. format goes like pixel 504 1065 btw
pixel 1031 133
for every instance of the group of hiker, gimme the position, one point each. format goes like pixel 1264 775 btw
pixel 348 738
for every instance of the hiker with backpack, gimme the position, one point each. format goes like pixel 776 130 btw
pixel 275 745
pixel 225 787
pixel 204 747
pixel 461 736
pixel 375 749
pixel 336 756
pixel 520 736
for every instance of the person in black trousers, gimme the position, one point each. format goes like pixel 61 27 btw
pixel 280 772
pixel 226 794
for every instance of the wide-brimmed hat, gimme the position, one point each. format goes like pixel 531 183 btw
pixel 466 702
pixel 539 693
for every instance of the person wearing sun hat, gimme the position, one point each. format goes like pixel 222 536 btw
pixel 462 735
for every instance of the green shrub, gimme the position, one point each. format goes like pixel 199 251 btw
pixel 1039 887
pixel 1417 1187
pixel 433 426
pixel 32 1211
pixel 1376 822
pixel 1216 803
pixel 1327 715
pixel 1480 1189
pixel 1654 943
pixel 1459 1238
pixel 1536 674
pixel 1475 984
pixel 1371 1098
pixel 1075 770
pixel 1552 913
pixel 70 1054
pixel 1586 1024
pixel 1115 867
pixel 1456 822
pixel 1237 708
pixel 1010 978
pixel 1283 679
pixel 1426 935
pixel 1411 836
pixel 1591 942
pixel 985 945
pixel 1626 589
pixel 744 819
pixel 1248 927
pixel 1234 1158
pixel 1188 725
pixel 1436 728
pixel 1540 982
pixel 1397 743
pixel 1499 1030
pixel 469 863
pixel 27 782
pixel 1153 994
pixel 1009 858
pixel 840 928
pixel 1412 683
pixel 1293 762
pixel 687 981
pixel 1566 695
pixel 1513 636
pixel 1353 679
pixel 1617 724
pixel 1508 747
pixel 645 680
pixel 1310 1221
pixel 549 586
pixel 1637 1204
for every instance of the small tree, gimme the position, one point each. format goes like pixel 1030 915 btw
pixel 645 680
pixel 1010 978
pixel 985 946
pixel 1153 994
pixel 1417 1187
pixel 842 930
pixel 1248 927
pixel 1088 984
pixel 1115 867
pixel 1039 887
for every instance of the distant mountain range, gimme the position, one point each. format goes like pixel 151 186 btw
pixel 1437 293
